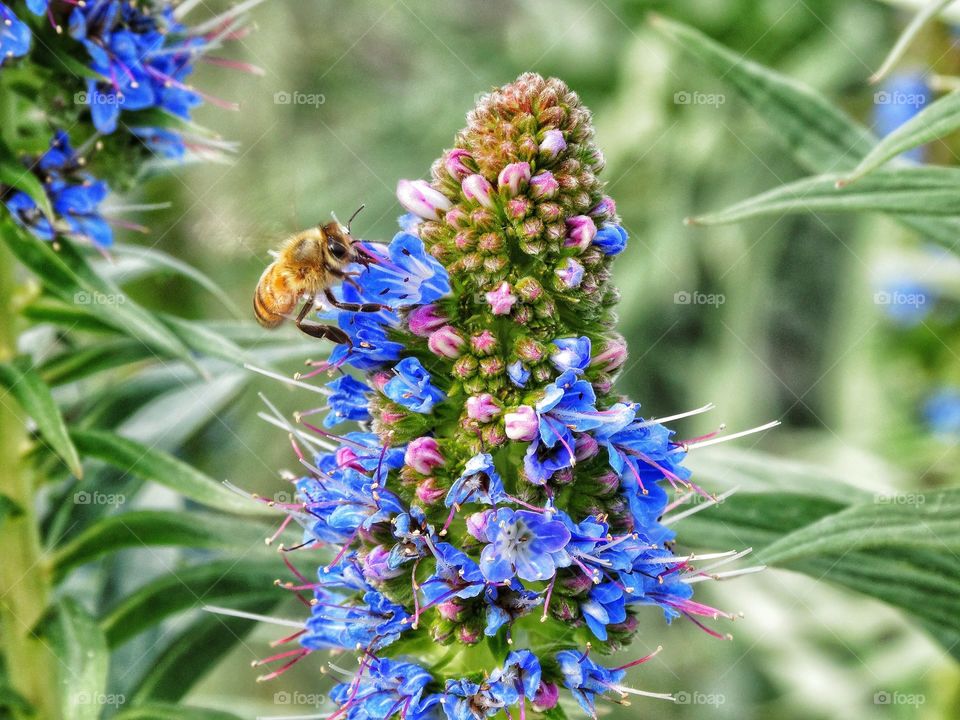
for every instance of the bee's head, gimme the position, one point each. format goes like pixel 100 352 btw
pixel 338 245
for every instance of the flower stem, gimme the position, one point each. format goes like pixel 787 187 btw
pixel 24 577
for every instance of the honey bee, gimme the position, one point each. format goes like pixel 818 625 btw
pixel 307 264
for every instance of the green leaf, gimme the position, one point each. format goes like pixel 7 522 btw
pixel 77 363
pixel 821 137
pixel 162 711
pixel 137 459
pixel 914 520
pixel 81 649
pixel 34 397
pixel 206 341
pixel 907 191
pixel 221 582
pixel 190 654
pixel 8 509
pixel 151 528
pixel 46 309
pixel 925 15
pixel 933 122
pixel 14 174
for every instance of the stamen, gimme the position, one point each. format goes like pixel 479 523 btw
pixel 725 438
pixel 679 416
pixel 252 616
pixel 697 508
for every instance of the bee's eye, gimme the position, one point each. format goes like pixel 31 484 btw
pixel 337 248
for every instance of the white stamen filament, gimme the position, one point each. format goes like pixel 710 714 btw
pixel 679 416
pixel 725 438
pixel 697 508
pixel 288 380
pixel 732 558
pixel 623 690
pixel 253 616
pixel 724 575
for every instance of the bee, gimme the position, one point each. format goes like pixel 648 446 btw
pixel 307 264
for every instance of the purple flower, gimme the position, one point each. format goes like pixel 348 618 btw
pixel 423 455
pixel 552 144
pixel 420 198
pixel 570 273
pixel 581 231
pixel 543 186
pixel 455 163
pixel 523 544
pixel 482 407
pixel 424 319
pixel 412 387
pixel 446 342
pixel 514 177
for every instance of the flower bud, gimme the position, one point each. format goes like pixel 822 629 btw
pixel 501 300
pixel 585 447
pixel 606 208
pixel 522 424
pixel 491 366
pixel 446 342
pixel 465 367
pixel 468 636
pixel 514 177
pixel 482 407
pixel 420 198
pixel 552 144
pixel 611 239
pixel 530 350
pixel 477 524
pixel 529 289
pixel 570 273
pixel 543 186
pixel 423 454
pixel 519 375
pixel 457 217
pixel 376 566
pixel 482 218
pixel 546 697
pixel 581 231
pixel 484 342
pixel 456 161
pixel 477 187
pixel 450 610
pixel 613 355
pixel 425 320
pixel 518 208
pixel 428 493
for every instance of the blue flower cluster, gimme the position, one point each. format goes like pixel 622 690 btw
pixel 14 35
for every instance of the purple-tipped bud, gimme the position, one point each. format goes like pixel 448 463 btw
pixel 491 366
pixel 465 367
pixel 543 186
pixel 609 482
pixel 501 300
pixel 423 455
pixel 420 198
pixel 585 447
pixel 521 424
pixel 606 208
pixel 577 584
pixel 477 187
pixel 613 355
pixel 446 342
pixel 581 230
pixel 428 493
pixel 456 163
pixel 519 207
pixel 376 566
pixel 530 350
pixel 482 407
pixel 552 144
pixel 457 217
pixel 392 416
pixel 546 697
pixel 477 524
pixel 426 319
pixel 529 289
pixel 570 273
pixel 484 342
pixel 514 177
pixel 450 610
pixel 347 458
pixel 468 636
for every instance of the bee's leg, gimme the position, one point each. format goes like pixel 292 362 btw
pixel 321 332
pixel 354 307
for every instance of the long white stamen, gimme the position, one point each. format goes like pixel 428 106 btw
pixel 253 616
pixel 732 558
pixel 697 508
pixel 725 438
pixel 296 431
pixel 724 575
pixel 679 416
pixel 632 691
pixel 233 13
pixel 289 380
pixel 685 558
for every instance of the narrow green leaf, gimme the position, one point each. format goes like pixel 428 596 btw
pixel 205 340
pixel 137 459
pixel 925 15
pixel 905 191
pixel 162 711
pixel 24 384
pixel 46 309
pixel 8 509
pixel 190 654
pixel 221 582
pixel 916 520
pixel 933 122
pixel 14 174
pixel 77 363
pixel 151 528
pixel 81 650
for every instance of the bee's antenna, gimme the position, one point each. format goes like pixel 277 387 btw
pixel 355 213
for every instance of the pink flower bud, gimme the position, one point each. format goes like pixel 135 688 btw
pixel 585 447
pixel 347 458
pixel 446 342
pixel 606 208
pixel 449 610
pixel 543 185
pixel 428 493
pixel 423 455
pixel 483 342
pixel 552 144
pixel 613 355
pixel 514 177
pixel 380 379
pixel 570 273
pixel 519 207
pixel 425 320
pixel 580 232
pixel 455 163
pixel 501 300
pixel 522 423
pixel 477 187
pixel 468 636
pixel 457 217
pixel 420 198
pixel 391 417
pixel 477 524
pixel 482 407
pixel 546 697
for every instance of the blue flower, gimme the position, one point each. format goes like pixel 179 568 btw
pixel 373 625
pixel 412 387
pixel 343 504
pixel 611 239
pixel 585 679
pixel 605 605
pixel 506 604
pixel 79 206
pixel 902 96
pixel 25 213
pixel 942 411
pixel 524 544
pixel 162 142
pixel 466 700
pixel 906 302
pixel 571 354
pixel 371 348
pixel 14 35
pixel 519 375
pixel 411 530
pixel 456 576
pixel 349 401
pixel 409 276
pixel 479 483
pixel 520 676
pixel 388 688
